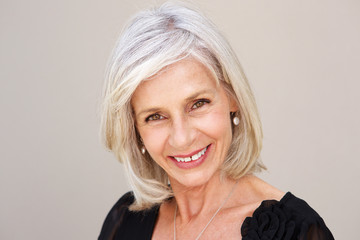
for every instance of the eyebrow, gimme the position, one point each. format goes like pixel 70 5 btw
pixel 196 94
pixel 149 110
pixel 189 98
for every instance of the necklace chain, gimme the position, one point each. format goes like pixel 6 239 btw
pixel 203 230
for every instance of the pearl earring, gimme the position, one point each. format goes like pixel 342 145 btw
pixel 236 121
pixel 143 150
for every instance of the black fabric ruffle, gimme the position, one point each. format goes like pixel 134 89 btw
pixel 287 219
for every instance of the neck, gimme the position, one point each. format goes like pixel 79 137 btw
pixel 201 200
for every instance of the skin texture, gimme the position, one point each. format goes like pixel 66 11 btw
pixel 193 112
pixel 179 112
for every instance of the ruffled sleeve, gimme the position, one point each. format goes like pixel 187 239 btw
pixel 316 230
pixel 287 219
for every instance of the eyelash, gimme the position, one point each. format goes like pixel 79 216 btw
pixel 151 117
pixel 202 102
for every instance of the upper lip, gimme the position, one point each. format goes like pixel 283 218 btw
pixel 190 154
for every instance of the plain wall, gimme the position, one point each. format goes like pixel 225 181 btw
pixel 57 181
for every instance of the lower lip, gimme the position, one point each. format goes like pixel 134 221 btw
pixel 192 163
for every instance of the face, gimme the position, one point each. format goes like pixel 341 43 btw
pixel 183 118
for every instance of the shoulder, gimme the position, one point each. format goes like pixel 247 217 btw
pixel 120 222
pixel 121 206
pixel 116 216
pixel 298 208
pixel 289 218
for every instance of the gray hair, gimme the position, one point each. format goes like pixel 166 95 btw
pixel 153 40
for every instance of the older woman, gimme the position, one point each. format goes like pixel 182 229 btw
pixel 179 113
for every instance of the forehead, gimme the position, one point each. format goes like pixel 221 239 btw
pixel 177 81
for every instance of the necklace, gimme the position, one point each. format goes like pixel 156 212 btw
pixel 202 231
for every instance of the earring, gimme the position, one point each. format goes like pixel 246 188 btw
pixel 236 121
pixel 143 150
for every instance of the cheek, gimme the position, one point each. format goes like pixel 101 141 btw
pixel 217 126
pixel 154 140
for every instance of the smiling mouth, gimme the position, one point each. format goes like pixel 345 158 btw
pixel 193 157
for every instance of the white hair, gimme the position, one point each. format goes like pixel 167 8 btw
pixel 153 40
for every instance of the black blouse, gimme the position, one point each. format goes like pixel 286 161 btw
pixel 287 219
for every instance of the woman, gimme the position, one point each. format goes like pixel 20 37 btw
pixel 179 113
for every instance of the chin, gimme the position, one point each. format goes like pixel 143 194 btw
pixel 194 179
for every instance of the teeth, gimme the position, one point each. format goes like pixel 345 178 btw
pixel 196 156
pixel 193 157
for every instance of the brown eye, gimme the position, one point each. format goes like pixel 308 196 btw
pixel 200 103
pixel 154 117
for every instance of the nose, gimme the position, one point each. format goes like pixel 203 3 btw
pixel 182 133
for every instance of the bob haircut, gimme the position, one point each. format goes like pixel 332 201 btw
pixel 153 40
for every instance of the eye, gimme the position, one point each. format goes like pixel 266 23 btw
pixel 154 117
pixel 200 103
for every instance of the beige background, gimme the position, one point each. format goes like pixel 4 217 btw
pixel 58 182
